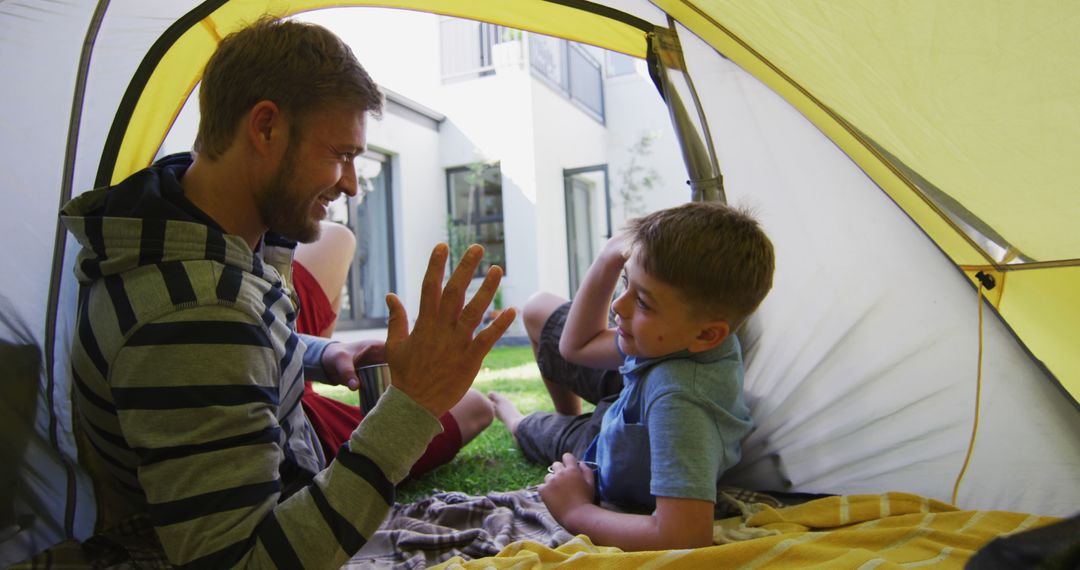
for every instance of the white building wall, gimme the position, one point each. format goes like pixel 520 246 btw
pixel 487 122
pixel 634 109
pixel 566 137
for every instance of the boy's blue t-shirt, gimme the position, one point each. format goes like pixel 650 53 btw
pixel 675 427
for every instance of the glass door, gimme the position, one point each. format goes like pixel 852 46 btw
pixel 370 217
pixel 588 218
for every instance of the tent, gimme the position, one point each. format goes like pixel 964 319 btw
pixel 914 163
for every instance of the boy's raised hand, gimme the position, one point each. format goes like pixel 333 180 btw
pixel 616 248
pixel 436 363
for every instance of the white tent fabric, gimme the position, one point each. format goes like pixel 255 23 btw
pixel 862 363
pixel 40 50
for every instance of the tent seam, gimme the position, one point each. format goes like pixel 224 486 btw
pixel 59 251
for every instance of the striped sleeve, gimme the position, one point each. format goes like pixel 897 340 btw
pixel 197 399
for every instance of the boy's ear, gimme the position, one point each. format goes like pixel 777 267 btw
pixel 712 334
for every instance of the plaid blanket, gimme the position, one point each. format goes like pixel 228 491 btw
pixel 438 528
pixel 455 525
pixel 131 545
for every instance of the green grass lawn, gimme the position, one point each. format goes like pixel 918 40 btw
pixel 491 462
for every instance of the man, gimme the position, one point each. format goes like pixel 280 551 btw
pixel 188 372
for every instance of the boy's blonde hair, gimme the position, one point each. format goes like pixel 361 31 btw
pixel 301 67
pixel 716 255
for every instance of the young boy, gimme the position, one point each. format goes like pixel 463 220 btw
pixel 670 421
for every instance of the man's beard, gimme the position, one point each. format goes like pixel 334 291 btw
pixel 286 213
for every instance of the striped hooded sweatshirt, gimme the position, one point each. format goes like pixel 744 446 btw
pixel 187 376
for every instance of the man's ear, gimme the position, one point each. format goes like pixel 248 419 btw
pixel 712 334
pixel 265 128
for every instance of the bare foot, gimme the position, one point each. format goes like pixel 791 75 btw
pixel 506 411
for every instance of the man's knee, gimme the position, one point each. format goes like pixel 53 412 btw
pixel 536 311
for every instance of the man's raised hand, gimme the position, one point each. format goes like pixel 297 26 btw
pixel 437 362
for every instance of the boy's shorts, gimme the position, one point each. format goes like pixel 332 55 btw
pixel 544 436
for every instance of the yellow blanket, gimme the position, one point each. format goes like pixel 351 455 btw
pixel 894 530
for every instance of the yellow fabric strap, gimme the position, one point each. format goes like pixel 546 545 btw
pixel 978 397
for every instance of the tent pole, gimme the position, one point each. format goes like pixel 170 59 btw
pixel 66 184
pixel 668 68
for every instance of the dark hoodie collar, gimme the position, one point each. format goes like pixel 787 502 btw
pixel 155 193
pixel 172 168
pixel 124 226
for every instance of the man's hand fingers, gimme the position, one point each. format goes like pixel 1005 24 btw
pixel 397 325
pixel 485 340
pixel 431 289
pixel 474 311
pixel 454 293
pixel 437 362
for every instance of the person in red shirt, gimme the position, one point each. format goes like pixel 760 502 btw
pixel 320 269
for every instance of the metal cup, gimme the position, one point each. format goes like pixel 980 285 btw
pixel 374 380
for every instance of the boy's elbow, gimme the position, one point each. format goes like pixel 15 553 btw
pixel 578 355
pixel 673 541
pixel 567 349
pixel 701 541
pixel 688 537
pixel 684 523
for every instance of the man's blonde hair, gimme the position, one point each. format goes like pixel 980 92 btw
pixel 301 67
pixel 716 255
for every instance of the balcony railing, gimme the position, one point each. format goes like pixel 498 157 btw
pixel 469 51
pixel 468 47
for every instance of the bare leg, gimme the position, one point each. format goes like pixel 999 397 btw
pixel 473 414
pixel 506 411
pixel 535 313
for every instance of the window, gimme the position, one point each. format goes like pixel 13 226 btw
pixel 588 218
pixel 474 196
pixel 370 217
pixel 571 69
